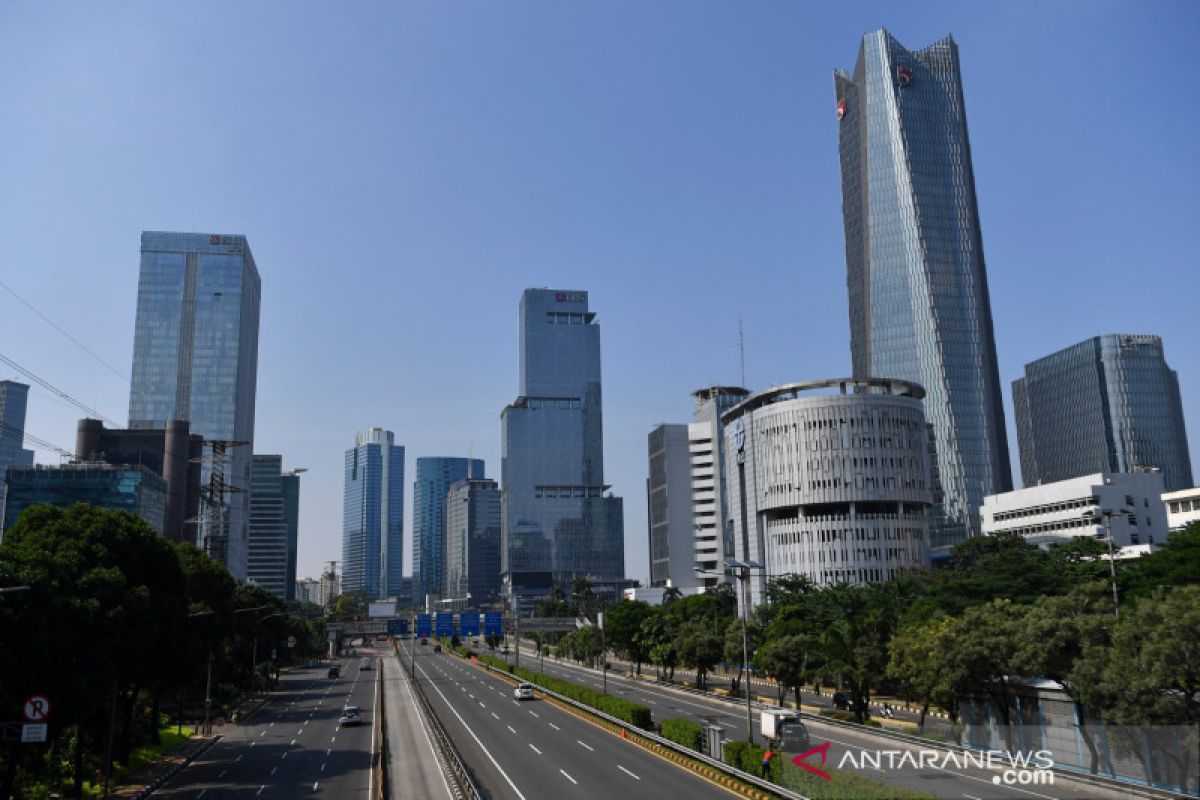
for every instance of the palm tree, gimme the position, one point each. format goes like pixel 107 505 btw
pixel 671 594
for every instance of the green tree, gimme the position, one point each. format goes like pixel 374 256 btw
pixel 699 646
pixel 786 660
pixel 1176 564
pixel 622 626
pixel 733 650
pixel 916 660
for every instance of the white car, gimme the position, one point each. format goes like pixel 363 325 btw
pixel 523 691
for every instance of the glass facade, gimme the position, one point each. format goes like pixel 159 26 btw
pixel 473 542
pixel 135 489
pixel 669 507
pixel 195 355
pixel 373 516
pixel 434 478
pixel 919 307
pixel 274 510
pixel 13 399
pixel 1107 404
pixel 558 516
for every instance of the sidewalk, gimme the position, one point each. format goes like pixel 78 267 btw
pixel 154 774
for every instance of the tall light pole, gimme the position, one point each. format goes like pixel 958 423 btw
pixel 1107 514
pixel 742 570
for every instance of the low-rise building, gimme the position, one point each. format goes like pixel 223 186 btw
pixel 1130 504
pixel 1183 508
pixel 129 487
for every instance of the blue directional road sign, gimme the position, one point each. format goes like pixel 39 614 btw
pixel 445 624
pixel 424 625
pixel 397 627
pixel 493 623
pixel 468 624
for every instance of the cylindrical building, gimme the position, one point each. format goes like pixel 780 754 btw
pixel 829 479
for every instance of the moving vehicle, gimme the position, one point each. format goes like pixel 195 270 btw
pixel 843 700
pixel 424 641
pixel 350 717
pixel 523 691
pixel 772 718
pixel 335 671
pixel 437 648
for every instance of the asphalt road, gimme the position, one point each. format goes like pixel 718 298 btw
pixel 293 747
pixel 532 749
pixel 952 784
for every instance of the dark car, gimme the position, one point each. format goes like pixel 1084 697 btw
pixel 437 648
pixel 424 641
pixel 843 700
pixel 335 672
pixel 793 737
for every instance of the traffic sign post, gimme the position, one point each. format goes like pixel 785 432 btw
pixel 34 732
pixel 36 708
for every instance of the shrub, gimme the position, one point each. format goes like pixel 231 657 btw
pixel 683 731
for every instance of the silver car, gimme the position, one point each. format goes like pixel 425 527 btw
pixel 523 691
pixel 350 717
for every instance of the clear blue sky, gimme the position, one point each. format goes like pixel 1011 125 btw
pixel 404 170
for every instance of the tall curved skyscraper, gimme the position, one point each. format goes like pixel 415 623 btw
pixel 919 307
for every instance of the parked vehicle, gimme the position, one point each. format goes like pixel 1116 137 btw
pixel 523 691
pixel 843 700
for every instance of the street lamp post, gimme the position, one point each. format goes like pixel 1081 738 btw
pixel 741 569
pixel 254 650
pixel 1107 514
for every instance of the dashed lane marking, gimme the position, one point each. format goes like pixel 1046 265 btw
pixel 534 749
pixel 568 777
pixel 588 746
pixel 552 725
pixel 511 728
pixel 627 772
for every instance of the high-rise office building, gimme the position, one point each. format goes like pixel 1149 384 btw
pixel 1107 404
pixel 373 516
pixel 13 399
pixel 274 526
pixel 669 507
pixel 710 497
pixel 195 358
pixel 559 519
pixel 473 542
pixel 919 307
pixel 434 478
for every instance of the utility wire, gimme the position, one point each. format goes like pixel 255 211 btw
pixel 91 412
pixel 58 328
pixel 42 443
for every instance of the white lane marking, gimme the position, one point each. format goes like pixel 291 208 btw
pixel 293 742
pixel 636 778
pixel 260 789
pixel 239 758
pixel 314 786
pixel 568 777
pixel 253 743
pixel 284 754
pixel 511 728
pixel 494 714
pixel 273 771
pixel 552 725
pixel 332 739
pixel 473 736
pixel 262 734
pixel 534 749
pixel 648 700
pixel 970 797
pixel 535 714
pixel 322 768
pixel 481 705
pixel 588 746
pixel 202 791
pixel 272 725
pixel 222 775
pixel 330 750
pixel 300 732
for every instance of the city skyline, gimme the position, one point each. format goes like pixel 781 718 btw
pixel 681 191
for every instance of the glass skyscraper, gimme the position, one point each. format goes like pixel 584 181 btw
pixel 473 542
pixel 558 517
pixel 274 524
pixel 435 476
pixel 13 399
pixel 919 307
pixel 195 358
pixel 373 516
pixel 1107 404
pixel 132 487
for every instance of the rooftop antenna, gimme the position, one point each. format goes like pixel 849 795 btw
pixel 742 351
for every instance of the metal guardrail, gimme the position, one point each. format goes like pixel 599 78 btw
pixel 458 773
pixel 715 763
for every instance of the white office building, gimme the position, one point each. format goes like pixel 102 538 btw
pixel 1060 511
pixel 1183 508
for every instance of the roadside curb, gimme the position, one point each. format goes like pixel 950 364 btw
pixel 162 778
